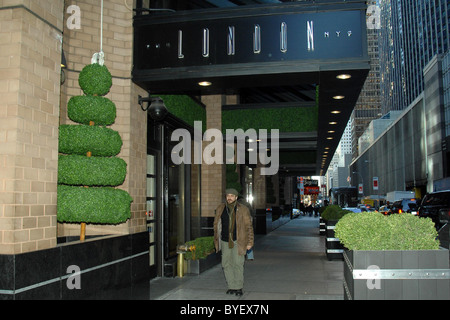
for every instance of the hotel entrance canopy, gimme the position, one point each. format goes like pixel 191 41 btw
pixel 309 56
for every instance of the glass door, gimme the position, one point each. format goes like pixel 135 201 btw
pixel 175 215
pixel 152 211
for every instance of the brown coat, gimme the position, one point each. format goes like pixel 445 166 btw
pixel 244 228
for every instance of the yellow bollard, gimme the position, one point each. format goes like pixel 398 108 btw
pixel 180 264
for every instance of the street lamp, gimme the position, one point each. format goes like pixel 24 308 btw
pixel 154 105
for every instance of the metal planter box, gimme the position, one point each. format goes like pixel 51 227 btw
pixel 322 227
pixel 333 246
pixel 397 275
pixel 201 265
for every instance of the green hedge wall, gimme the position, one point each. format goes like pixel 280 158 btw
pixel 79 139
pixel 91 171
pixel 185 108
pixel 302 119
pixel 93 205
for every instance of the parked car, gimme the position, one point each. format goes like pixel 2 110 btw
pixel 353 209
pixel 436 205
pixel 385 210
pixel 405 205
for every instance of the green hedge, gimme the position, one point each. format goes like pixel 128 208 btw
pixel 83 109
pixel 333 212
pixel 95 79
pixel 79 139
pixel 185 108
pixel 91 171
pixel 375 231
pixel 302 119
pixel 93 205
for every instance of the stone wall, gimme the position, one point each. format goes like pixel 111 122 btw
pixel 30 55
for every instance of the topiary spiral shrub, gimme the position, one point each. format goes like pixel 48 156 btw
pixel 375 231
pixel 88 168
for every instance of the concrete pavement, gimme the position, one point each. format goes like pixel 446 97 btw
pixel 290 264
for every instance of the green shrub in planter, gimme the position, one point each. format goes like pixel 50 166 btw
pixel 204 246
pixel 91 171
pixel 375 231
pixel 333 212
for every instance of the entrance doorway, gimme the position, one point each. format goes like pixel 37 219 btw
pixel 172 196
pixel 152 209
pixel 176 211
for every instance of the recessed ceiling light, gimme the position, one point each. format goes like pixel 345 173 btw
pixel 332 122
pixel 335 111
pixel 331 131
pixel 204 83
pixel 344 76
pixel 329 138
pixel 338 97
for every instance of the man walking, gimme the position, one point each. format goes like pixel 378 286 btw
pixel 233 235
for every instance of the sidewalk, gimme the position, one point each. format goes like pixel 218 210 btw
pixel 290 264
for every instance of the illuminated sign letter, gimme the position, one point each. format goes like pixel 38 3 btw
pixel 180 44
pixel 283 37
pixel 257 39
pixel 230 42
pixel 205 46
pixel 310 35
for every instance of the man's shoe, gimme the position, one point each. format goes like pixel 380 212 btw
pixel 231 291
pixel 238 292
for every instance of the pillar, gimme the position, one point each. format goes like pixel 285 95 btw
pixel 30 55
pixel 213 175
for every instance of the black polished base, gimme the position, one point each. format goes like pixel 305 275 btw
pixel 112 267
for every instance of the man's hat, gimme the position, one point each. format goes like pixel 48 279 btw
pixel 231 191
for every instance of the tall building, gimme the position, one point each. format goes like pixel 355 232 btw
pixel 411 33
pixel 368 106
